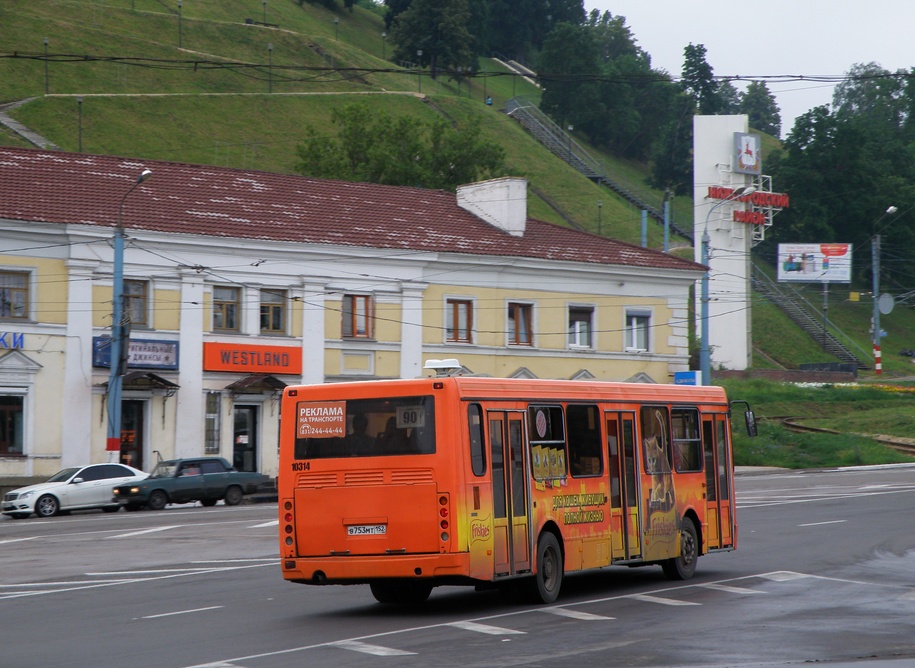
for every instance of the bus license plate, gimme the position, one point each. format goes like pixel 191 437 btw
pixel 367 529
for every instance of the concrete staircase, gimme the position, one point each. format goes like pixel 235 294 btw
pixel 561 144
pixel 810 319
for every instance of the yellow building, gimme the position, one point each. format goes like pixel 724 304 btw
pixel 237 283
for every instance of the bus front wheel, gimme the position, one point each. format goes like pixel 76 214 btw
pixel 684 566
pixel 548 580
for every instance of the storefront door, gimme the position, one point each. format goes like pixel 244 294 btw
pixel 244 453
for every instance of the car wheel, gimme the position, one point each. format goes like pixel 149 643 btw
pixel 47 506
pixel 234 496
pixel 157 500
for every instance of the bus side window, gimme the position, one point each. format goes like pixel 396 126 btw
pixel 585 453
pixel 477 444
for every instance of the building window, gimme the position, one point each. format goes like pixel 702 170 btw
pixel 211 436
pixel 14 294
pixel 580 326
pixel 136 302
pixel 273 311
pixel 225 308
pixel 11 425
pixel 357 317
pixel 519 325
pixel 459 321
pixel 637 328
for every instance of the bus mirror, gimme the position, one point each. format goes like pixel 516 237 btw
pixel 751 423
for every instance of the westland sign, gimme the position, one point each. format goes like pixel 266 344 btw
pixel 252 359
pixel 767 201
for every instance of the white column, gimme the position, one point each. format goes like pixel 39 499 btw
pixel 411 332
pixel 730 242
pixel 76 407
pixel 313 332
pixel 190 418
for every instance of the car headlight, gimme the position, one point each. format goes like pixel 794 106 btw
pixel 26 495
pixel 134 490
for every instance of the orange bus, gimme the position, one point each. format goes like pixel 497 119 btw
pixel 509 483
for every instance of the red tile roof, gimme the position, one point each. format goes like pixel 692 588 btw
pixel 60 187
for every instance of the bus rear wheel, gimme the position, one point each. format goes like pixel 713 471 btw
pixel 547 582
pixel 684 566
pixel 401 593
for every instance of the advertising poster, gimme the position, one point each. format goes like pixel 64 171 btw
pixel 814 263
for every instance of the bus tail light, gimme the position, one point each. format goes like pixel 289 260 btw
pixel 444 511
pixel 287 527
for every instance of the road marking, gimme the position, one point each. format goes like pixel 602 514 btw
pixel 365 648
pixel 16 540
pixel 816 524
pixel 648 598
pixel 272 523
pixel 731 589
pixel 182 612
pixel 575 614
pixel 485 628
pixel 784 576
pixel 159 571
pixel 143 532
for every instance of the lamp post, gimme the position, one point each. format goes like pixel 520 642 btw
pixel 79 107
pixel 384 37
pixel 179 24
pixel 600 206
pixel 419 68
pixel 705 357
pixel 264 3
pixel 270 67
pixel 46 83
pixel 119 333
pixel 875 270
pixel 336 28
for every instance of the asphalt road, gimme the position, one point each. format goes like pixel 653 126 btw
pixel 824 573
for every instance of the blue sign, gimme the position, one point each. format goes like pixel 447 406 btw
pixel 687 378
pixel 141 353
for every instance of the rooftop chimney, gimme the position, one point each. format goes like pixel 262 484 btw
pixel 500 202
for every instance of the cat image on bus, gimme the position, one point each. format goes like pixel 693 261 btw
pixel 500 483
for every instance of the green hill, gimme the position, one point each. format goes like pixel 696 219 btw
pixel 235 82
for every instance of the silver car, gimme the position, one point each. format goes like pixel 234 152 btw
pixel 76 488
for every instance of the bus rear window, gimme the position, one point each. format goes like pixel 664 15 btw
pixel 365 427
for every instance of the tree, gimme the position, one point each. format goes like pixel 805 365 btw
pixel 438 28
pixel 672 164
pixel 569 71
pixel 376 148
pixel 760 107
pixel 698 80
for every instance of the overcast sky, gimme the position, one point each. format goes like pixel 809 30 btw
pixel 774 37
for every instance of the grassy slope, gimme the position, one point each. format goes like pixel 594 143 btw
pixel 240 125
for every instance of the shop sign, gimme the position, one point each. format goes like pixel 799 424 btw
pixel 252 358
pixel 141 353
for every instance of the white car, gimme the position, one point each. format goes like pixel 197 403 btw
pixel 75 488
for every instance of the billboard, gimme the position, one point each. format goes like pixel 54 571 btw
pixel 814 263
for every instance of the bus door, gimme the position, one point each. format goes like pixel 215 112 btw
pixel 719 513
pixel 624 482
pixel 511 522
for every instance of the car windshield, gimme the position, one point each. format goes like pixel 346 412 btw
pixel 63 476
pixel 163 470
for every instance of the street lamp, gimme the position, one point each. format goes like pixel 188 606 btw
pixel 264 3
pixel 705 357
pixel 179 24
pixel 119 333
pixel 46 83
pixel 875 269
pixel 419 69
pixel 384 37
pixel 270 67
pixel 79 106
pixel 600 205
pixel 336 26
